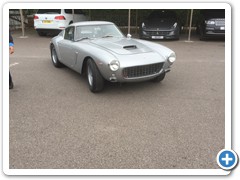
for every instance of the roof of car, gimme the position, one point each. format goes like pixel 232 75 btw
pixel 87 23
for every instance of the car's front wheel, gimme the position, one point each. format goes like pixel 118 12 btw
pixel 94 77
pixel 159 78
pixel 54 57
pixel 202 37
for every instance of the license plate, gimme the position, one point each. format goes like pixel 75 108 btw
pixel 222 28
pixel 47 21
pixel 157 37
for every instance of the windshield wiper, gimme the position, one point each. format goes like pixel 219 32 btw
pixel 107 36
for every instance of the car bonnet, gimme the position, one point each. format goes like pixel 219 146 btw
pixel 121 46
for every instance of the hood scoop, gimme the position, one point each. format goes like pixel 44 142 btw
pixel 129 47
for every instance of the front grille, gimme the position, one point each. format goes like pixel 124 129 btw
pixel 157 33
pixel 219 31
pixel 220 23
pixel 140 71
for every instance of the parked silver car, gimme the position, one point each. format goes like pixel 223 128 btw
pixel 100 50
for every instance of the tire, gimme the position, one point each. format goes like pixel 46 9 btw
pixel 202 37
pixel 41 33
pixel 94 77
pixel 159 78
pixel 54 57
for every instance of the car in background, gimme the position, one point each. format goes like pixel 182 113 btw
pixel 211 24
pixel 55 20
pixel 100 50
pixel 160 24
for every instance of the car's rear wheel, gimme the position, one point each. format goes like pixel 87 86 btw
pixel 41 33
pixel 94 77
pixel 54 57
pixel 159 78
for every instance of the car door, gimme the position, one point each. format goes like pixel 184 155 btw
pixel 66 48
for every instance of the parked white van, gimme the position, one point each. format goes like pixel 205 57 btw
pixel 55 20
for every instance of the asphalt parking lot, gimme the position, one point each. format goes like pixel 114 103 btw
pixel 56 122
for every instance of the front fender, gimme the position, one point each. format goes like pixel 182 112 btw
pixel 55 41
pixel 100 56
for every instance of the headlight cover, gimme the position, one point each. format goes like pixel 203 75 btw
pixel 114 65
pixel 175 25
pixel 210 22
pixel 172 58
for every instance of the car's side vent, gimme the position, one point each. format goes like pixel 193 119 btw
pixel 130 47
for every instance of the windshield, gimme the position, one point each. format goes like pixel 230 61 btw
pixel 97 31
pixel 162 14
pixel 213 13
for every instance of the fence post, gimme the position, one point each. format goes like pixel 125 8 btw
pixel 190 25
pixel 129 20
pixel 22 22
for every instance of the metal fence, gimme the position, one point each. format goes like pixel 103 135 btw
pixel 117 16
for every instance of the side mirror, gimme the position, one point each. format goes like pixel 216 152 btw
pixel 129 36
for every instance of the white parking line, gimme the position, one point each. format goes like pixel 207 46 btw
pixel 14 64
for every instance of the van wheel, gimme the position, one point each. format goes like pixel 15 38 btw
pixel 41 33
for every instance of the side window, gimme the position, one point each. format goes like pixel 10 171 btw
pixel 69 33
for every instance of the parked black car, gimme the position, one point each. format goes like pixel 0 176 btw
pixel 160 24
pixel 211 23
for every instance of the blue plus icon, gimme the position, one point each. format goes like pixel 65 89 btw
pixel 227 159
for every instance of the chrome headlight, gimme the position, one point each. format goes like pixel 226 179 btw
pixel 172 58
pixel 210 22
pixel 114 65
pixel 175 25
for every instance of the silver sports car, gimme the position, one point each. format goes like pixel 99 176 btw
pixel 100 50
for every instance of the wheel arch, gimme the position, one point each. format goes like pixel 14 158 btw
pixel 56 48
pixel 51 44
pixel 94 77
pixel 84 64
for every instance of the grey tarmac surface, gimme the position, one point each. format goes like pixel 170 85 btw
pixel 56 122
